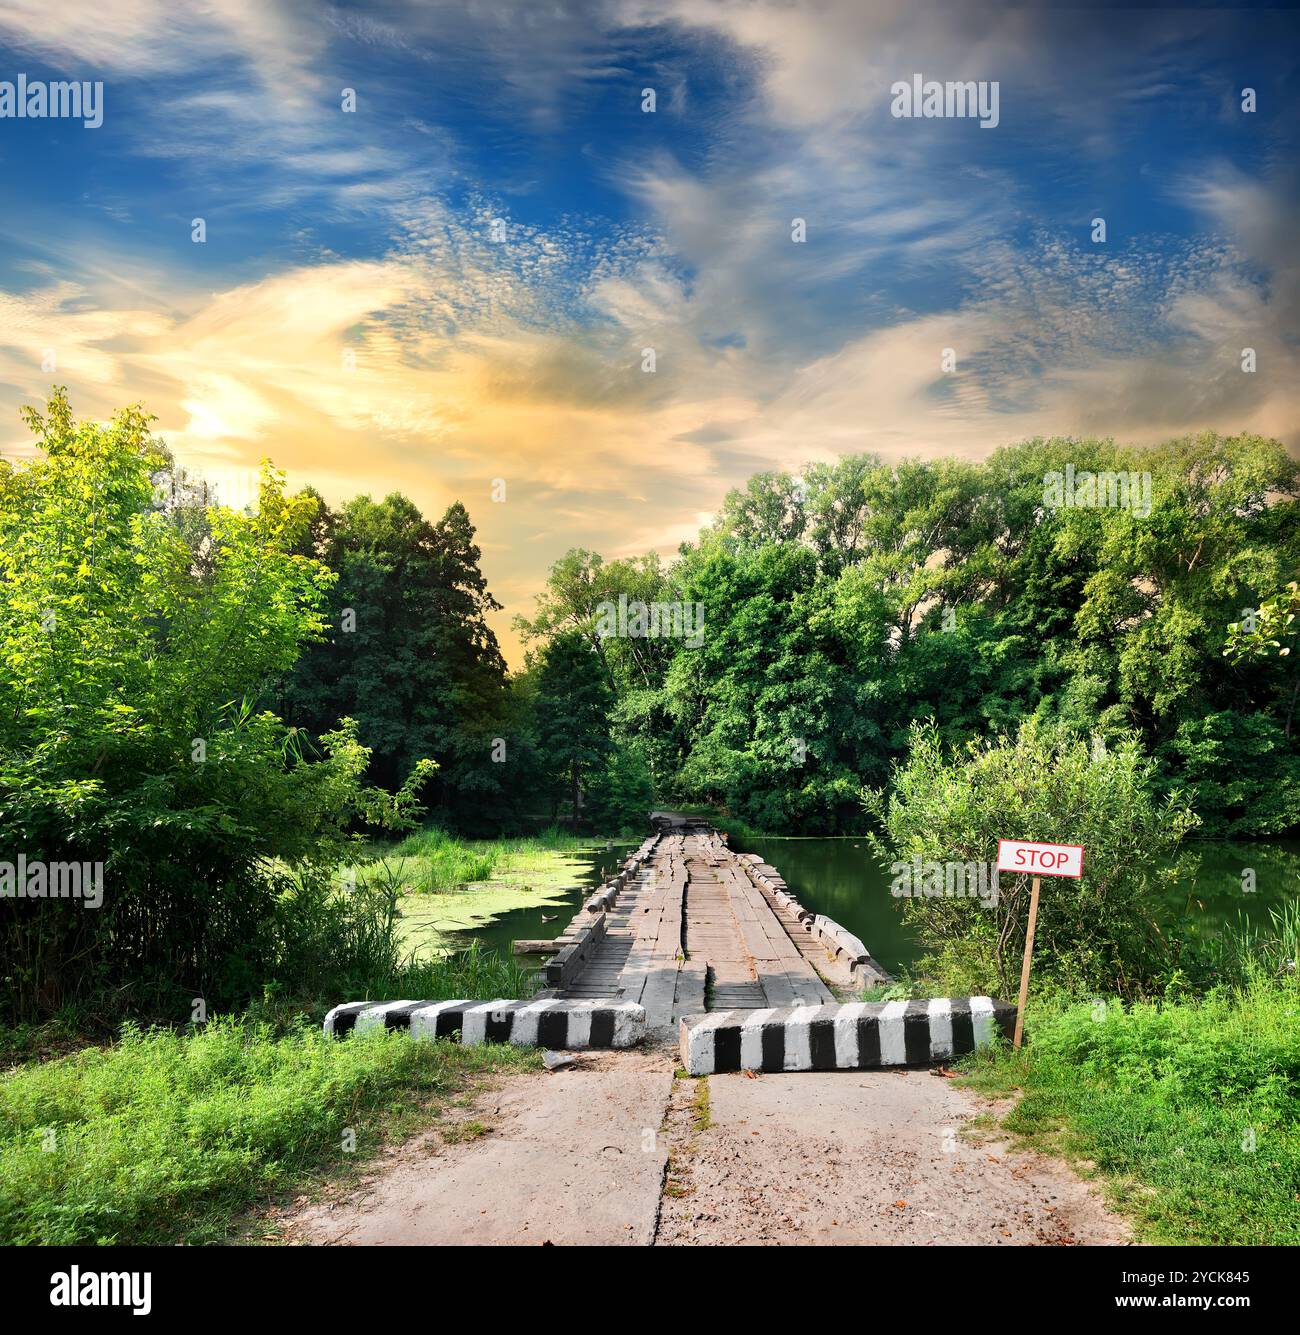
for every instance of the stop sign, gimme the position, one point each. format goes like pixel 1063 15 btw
pixel 1040 859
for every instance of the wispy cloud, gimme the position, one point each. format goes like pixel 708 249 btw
pixel 357 316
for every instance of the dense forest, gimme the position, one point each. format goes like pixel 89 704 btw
pixel 843 603
pixel 207 702
pixel 819 617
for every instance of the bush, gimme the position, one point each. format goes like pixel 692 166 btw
pixel 1098 933
pixel 334 941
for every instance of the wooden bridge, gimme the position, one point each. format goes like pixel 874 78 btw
pixel 690 936
pixel 691 926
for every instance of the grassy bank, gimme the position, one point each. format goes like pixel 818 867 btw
pixel 172 1134
pixel 445 886
pixel 169 1137
pixel 432 860
pixel 1189 1111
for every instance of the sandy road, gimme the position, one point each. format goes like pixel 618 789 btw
pixel 581 1156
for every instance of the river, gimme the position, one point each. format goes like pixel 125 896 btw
pixel 842 879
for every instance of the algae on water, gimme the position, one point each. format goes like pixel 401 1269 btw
pixel 435 921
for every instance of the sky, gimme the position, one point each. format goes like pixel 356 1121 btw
pixel 455 284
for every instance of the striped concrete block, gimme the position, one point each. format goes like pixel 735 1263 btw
pixel 548 1023
pixel 853 1037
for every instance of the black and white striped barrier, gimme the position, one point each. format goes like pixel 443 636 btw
pixel 548 1023
pixel 853 1037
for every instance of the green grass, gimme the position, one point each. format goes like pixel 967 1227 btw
pixel 1189 1111
pixel 167 1137
pixel 472 974
pixel 701 1107
pixel 432 860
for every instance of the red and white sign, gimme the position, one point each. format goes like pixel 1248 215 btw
pixel 1040 859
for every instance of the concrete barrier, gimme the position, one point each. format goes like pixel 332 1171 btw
pixel 853 1037
pixel 603 900
pixel 606 897
pixel 546 1023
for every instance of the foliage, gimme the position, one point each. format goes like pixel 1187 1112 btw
pixel 621 795
pixel 408 652
pixel 845 601
pixel 1189 1110
pixel 571 718
pixel 128 660
pixel 337 938
pixel 166 1137
pixel 1098 932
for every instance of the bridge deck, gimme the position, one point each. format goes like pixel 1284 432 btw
pixel 693 932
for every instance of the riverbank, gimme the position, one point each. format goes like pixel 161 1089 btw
pixel 173 1134
pixel 454 891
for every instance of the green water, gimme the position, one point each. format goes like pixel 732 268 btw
pixel 523 924
pixel 842 879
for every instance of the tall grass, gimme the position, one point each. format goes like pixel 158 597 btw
pixel 1189 1108
pixel 1264 955
pixel 340 942
pixel 168 1136
pixel 432 860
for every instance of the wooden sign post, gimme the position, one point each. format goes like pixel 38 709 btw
pixel 1042 860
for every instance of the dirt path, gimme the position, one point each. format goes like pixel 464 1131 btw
pixel 582 1155
pixel 569 1156
pixel 861 1157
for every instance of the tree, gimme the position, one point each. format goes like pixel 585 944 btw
pixel 571 716
pixel 581 585
pixel 844 602
pixel 131 648
pixel 1272 633
pixel 409 653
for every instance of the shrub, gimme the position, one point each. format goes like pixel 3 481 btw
pixel 1098 933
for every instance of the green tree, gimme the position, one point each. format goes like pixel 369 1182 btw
pixel 571 718
pixel 1272 634
pixel 130 648
pixel 409 653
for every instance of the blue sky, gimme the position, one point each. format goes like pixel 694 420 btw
pixel 350 315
